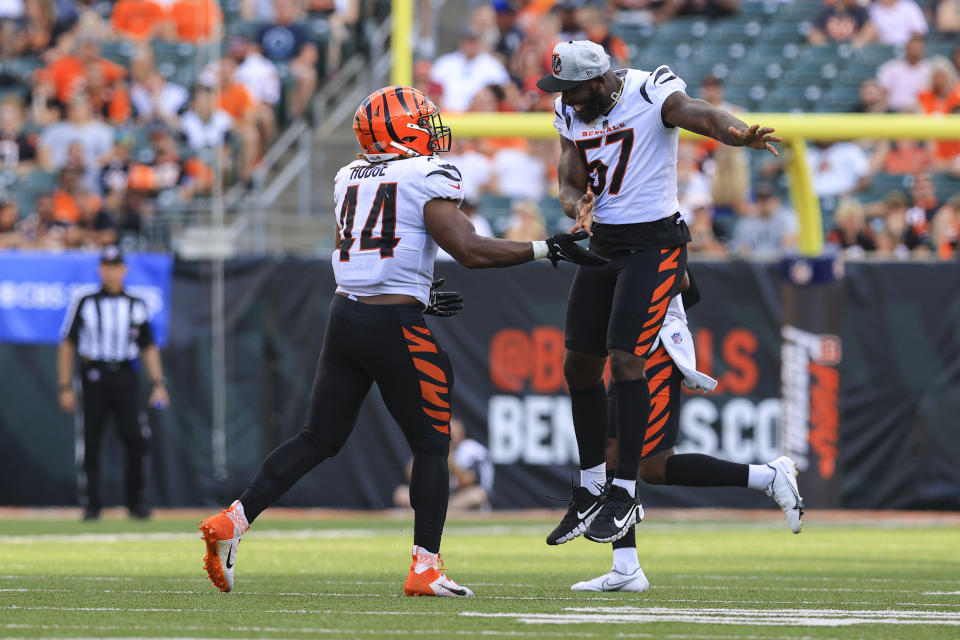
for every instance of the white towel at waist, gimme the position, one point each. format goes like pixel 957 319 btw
pixel 678 342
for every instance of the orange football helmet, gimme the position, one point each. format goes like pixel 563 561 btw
pixel 399 122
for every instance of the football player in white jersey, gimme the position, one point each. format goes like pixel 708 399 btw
pixel 671 365
pixel 619 132
pixel 394 205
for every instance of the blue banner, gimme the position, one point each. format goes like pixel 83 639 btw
pixel 36 289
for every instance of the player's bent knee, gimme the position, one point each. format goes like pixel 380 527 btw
pixel 626 366
pixel 322 447
pixel 581 370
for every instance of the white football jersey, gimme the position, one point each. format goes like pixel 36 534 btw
pixel 384 243
pixel 630 155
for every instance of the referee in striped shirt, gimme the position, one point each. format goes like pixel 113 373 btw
pixel 109 329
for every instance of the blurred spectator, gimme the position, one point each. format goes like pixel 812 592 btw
pixel 945 230
pixel 18 149
pixel 109 101
pixel 423 81
pixel 706 8
pixel 923 193
pixel 904 78
pixel 153 97
pixel 116 165
pixel 342 18
pixel 850 231
pixel 638 11
pixel 942 96
pixel 894 22
pixel 10 235
pixel 770 229
pixel 713 91
pixel 948 17
pixel 873 98
pixel 702 229
pixel 510 35
pixel 907 228
pixel 730 187
pixel 41 229
pixel 906 156
pixel 140 20
pixel 691 182
pixel 94 138
pixel 254 71
pixel 483 22
pixel 94 228
pixel 471 473
pixel 839 21
pixel 207 127
pixel 237 101
pixel 71 199
pixel 526 222
pixel 517 172
pixel 465 72
pixel 288 42
pixel 570 26
pixel 839 168
pixel 167 170
pixel 196 21
pixel 596 29
pixel 69 74
pixel 475 166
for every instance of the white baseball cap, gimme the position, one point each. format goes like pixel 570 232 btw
pixel 574 62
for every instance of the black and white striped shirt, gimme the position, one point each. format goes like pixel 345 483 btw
pixel 107 328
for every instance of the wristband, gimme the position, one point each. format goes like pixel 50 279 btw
pixel 162 382
pixel 540 250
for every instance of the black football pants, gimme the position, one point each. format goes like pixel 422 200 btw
pixel 391 346
pixel 112 390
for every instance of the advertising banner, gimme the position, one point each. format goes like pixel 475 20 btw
pixel 36 288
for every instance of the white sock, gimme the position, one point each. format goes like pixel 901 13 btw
pixel 625 560
pixel 629 485
pixel 760 476
pixel 594 478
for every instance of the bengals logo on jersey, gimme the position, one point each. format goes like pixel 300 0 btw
pixel 556 64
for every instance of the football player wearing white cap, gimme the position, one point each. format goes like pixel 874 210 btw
pixel 619 132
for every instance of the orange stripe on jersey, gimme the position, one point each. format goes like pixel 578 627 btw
pixel 649 446
pixel 430 369
pixel 418 344
pixel 658 310
pixel 659 404
pixel 442 416
pixel 422 330
pixel 658 357
pixel 665 287
pixel 670 262
pixel 431 393
pixel 645 338
pixel 443 428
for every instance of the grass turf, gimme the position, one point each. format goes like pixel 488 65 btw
pixel 343 579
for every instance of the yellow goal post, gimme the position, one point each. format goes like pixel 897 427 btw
pixel 794 128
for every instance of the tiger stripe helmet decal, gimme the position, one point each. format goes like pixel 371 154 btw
pixel 399 122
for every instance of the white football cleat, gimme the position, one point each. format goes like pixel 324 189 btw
pixel 784 491
pixel 615 581
pixel 221 533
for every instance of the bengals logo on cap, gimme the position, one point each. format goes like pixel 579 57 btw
pixel 556 63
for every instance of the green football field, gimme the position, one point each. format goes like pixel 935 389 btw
pixel 342 578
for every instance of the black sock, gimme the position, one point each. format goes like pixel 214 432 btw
pixel 698 470
pixel 282 468
pixel 429 492
pixel 633 410
pixel 589 407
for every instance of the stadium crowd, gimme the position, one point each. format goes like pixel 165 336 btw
pixel 892 199
pixel 112 113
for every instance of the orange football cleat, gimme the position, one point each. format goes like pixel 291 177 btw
pixel 426 577
pixel 222 534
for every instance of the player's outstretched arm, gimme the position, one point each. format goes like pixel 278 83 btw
pixel 453 231
pixel 699 116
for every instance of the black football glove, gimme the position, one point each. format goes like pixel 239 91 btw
pixel 563 246
pixel 443 304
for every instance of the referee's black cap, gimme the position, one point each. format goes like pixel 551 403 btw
pixel 111 255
